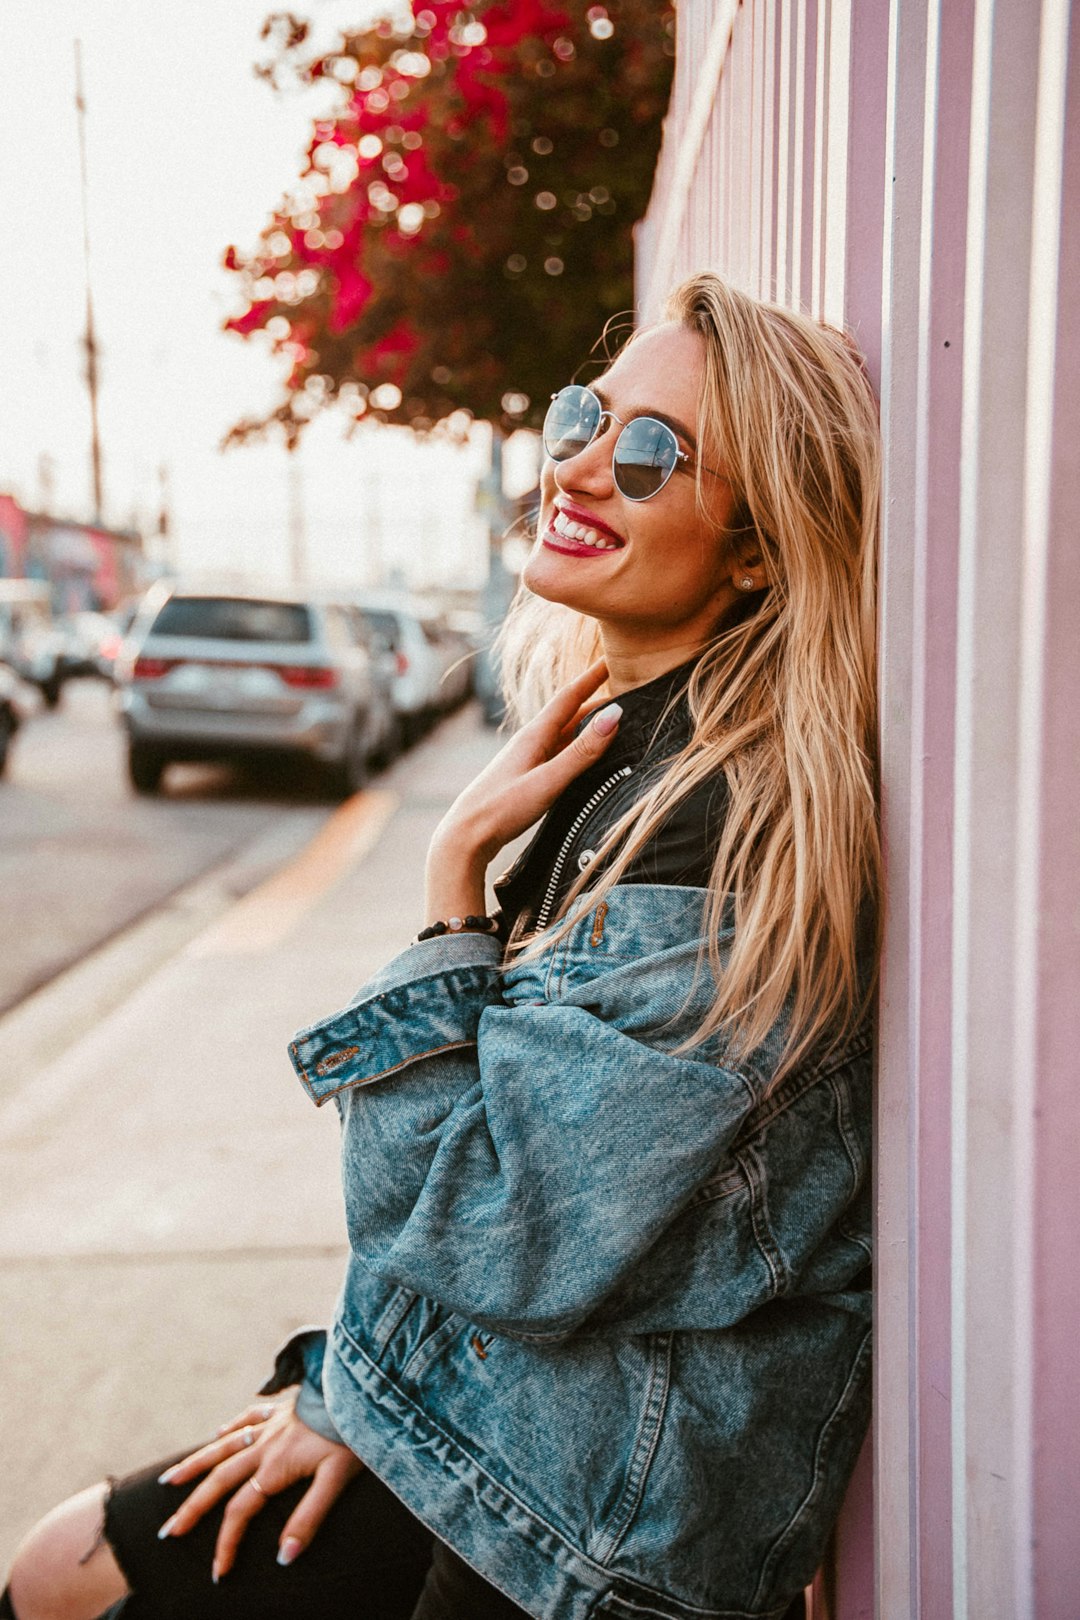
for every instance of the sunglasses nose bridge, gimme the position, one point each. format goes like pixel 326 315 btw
pixel 598 469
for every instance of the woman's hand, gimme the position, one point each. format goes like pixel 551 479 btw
pixel 268 1443
pixel 520 785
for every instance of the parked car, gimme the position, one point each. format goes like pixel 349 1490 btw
pixel 30 639
pixel 459 649
pixel 12 711
pixel 92 643
pixel 207 676
pixel 418 662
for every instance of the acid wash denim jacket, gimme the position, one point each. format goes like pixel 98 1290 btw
pixel 606 1325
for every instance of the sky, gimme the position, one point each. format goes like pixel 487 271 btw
pixel 187 152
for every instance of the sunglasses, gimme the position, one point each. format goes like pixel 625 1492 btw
pixel 646 452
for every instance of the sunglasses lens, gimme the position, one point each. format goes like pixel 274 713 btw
pixel 646 455
pixel 572 419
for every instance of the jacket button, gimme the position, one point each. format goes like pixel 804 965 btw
pixel 585 859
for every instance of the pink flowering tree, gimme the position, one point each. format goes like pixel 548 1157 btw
pixel 462 230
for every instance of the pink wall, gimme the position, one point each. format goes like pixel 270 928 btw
pixel 907 167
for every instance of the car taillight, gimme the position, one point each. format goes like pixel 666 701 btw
pixel 309 680
pixel 152 669
pixel 401 663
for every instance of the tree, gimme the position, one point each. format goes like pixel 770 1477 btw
pixel 462 230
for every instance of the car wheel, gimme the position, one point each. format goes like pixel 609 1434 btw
pixel 7 731
pixel 145 767
pixel 349 774
pixel 390 746
pixel 51 689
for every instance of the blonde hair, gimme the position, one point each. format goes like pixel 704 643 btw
pixel 782 700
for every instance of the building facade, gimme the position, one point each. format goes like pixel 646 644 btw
pixel 87 566
pixel 910 169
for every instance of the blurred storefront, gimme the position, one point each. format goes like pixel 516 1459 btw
pixel 87 566
pixel 912 171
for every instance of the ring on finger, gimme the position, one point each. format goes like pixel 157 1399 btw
pixel 253 1482
pixel 247 1436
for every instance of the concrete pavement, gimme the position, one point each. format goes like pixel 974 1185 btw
pixel 169 1201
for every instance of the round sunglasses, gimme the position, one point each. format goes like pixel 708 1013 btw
pixel 646 452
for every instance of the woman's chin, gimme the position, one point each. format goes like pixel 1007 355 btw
pixel 559 579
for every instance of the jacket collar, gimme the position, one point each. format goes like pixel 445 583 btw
pixel 647 708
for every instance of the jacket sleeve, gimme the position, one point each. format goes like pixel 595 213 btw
pixel 300 1362
pixel 515 1160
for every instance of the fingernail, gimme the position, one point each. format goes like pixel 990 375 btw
pixel 290 1549
pixel 167 1528
pixel 215 1574
pixel 608 719
pixel 166 1477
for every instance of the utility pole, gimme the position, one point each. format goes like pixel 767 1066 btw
pixel 297 538
pixel 89 340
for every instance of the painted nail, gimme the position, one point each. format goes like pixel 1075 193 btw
pixel 215 1574
pixel 608 719
pixel 290 1549
pixel 167 1528
pixel 166 1477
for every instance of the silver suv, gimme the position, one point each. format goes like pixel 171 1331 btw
pixel 224 676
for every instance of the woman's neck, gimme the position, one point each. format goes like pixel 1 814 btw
pixel 630 667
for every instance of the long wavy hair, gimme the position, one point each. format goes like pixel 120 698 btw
pixel 782 699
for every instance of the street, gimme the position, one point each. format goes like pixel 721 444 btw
pixel 82 856
pixel 169 1202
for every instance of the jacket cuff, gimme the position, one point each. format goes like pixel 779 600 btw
pixel 397 1020
pixel 300 1361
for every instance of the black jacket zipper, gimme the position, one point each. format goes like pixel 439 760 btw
pixel 543 916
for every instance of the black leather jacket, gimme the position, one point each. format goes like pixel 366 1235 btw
pixel 652 729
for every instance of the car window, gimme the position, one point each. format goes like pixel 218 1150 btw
pixel 384 627
pixel 361 632
pixel 228 618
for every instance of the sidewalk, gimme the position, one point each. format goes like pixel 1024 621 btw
pixel 169 1203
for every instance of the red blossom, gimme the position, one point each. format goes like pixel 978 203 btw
pixel 456 295
pixel 252 318
pixel 353 292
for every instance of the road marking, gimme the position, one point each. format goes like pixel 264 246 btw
pixel 269 913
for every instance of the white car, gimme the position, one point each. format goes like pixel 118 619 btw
pixel 229 675
pixel 419 663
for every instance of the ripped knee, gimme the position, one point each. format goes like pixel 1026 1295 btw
pixel 66 1569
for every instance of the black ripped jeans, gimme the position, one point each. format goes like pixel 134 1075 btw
pixel 371 1560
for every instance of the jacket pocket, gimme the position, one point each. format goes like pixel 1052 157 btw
pixel 606 1543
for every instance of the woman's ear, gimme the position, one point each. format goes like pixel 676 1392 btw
pixel 747 561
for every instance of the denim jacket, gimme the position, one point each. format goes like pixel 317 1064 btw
pixel 605 1326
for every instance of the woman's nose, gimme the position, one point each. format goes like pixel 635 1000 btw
pixel 590 469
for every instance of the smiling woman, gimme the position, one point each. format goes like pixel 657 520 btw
pixel 603 1345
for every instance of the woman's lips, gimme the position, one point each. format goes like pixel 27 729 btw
pixel 575 535
pixel 573 548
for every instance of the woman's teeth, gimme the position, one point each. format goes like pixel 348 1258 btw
pixel 584 536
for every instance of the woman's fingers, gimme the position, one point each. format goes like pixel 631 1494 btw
pixel 244 1506
pixel 561 710
pixel 210 1455
pixel 549 779
pixel 223 1479
pixel 573 694
pixel 257 1412
pixel 331 1478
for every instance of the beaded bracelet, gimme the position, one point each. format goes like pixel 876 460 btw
pixel 460 925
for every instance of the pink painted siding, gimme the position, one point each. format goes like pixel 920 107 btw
pixel 904 166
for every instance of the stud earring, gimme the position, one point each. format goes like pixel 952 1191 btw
pixel 747 583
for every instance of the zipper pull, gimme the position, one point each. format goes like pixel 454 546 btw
pixel 598 924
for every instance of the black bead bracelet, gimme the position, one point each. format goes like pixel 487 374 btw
pixel 460 925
